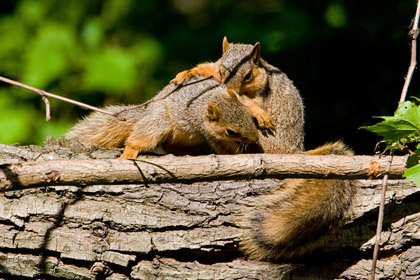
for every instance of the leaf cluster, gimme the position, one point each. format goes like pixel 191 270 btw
pixel 401 132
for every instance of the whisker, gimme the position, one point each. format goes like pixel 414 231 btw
pixel 238 150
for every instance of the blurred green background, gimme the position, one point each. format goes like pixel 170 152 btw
pixel 348 58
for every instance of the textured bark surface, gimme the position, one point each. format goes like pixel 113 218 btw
pixel 182 230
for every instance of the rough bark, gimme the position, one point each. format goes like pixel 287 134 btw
pixel 182 230
pixel 170 169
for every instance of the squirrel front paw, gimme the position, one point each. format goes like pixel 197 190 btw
pixel 263 119
pixel 129 153
pixel 183 76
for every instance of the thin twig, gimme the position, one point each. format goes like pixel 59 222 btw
pixel 380 218
pixel 47 108
pixel 414 33
pixel 141 105
pixel 44 93
pixel 154 99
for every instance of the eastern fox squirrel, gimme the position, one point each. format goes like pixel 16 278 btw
pixel 264 89
pixel 294 219
pixel 201 112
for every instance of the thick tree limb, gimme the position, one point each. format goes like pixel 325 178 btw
pixel 182 230
pixel 170 169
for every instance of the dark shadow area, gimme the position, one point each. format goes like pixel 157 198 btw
pixel 11 177
pixel 217 254
pixel 58 220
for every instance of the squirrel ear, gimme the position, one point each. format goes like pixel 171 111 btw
pixel 225 44
pixel 213 113
pixel 255 53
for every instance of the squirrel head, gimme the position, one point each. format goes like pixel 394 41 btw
pixel 227 120
pixel 241 68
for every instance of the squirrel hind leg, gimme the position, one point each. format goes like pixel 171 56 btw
pixel 145 136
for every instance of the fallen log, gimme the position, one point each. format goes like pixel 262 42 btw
pixel 179 230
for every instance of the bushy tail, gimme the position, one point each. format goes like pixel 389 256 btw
pixel 295 219
pixel 105 130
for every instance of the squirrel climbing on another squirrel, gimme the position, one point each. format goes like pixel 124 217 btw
pixel 201 112
pixel 293 220
pixel 264 89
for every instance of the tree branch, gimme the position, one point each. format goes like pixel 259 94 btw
pixel 414 33
pixel 44 94
pixel 170 169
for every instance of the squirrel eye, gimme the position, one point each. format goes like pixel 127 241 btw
pixel 232 133
pixel 248 76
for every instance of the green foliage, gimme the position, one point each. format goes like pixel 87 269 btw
pixel 72 48
pixel 124 51
pixel 401 130
pixel 49 56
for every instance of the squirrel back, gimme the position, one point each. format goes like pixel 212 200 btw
pixel 296 219
pixel 200 112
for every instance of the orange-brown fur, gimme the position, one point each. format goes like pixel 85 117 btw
pixel 246 90
pixel 203 112
pixel 294 219
pixel 264 89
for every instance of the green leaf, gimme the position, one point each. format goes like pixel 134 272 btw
pixel 413 159
pixel 392 129
pixel 413 174
pixel 410 112
pixel 405 123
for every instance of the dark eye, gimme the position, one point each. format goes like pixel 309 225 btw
pixel 248 76
pixel 231 133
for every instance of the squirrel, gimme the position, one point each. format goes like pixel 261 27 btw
pixel 296 219
pixel 293 220
pixel 264 89
pixel 201 112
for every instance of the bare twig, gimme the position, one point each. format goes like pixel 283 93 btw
pixel 154 99
pixel 380 217
pixel 47 107
pixel 414 33
pixel 116 114
pixel 44 94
